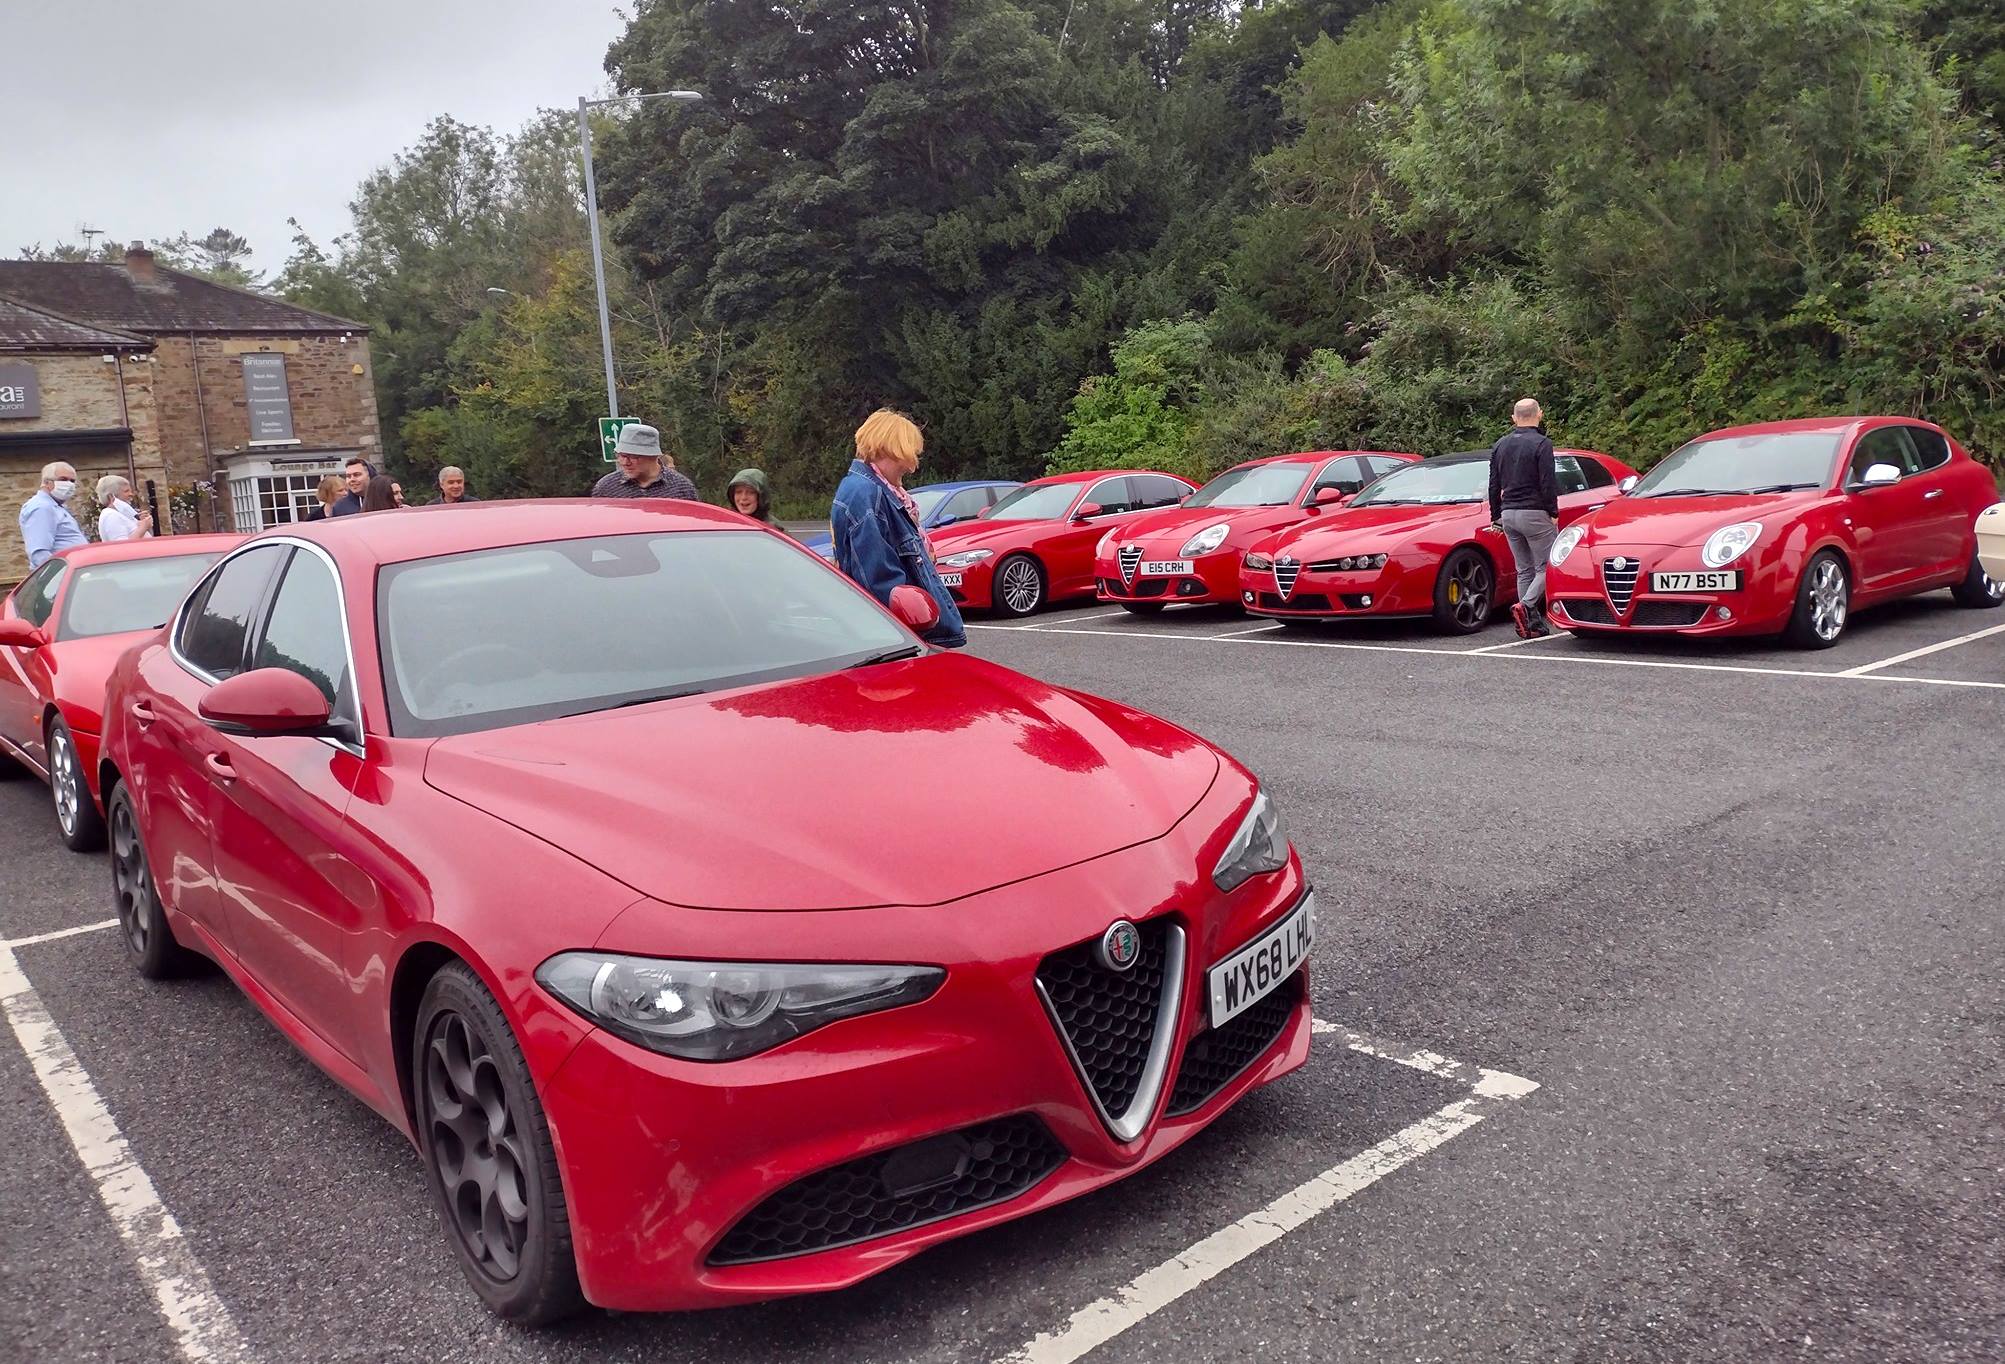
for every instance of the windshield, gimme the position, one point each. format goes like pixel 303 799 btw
pixel 925 499
pixel 1036 502
pixel 1774 463
pixel 1429 483
pixel 531 632
pixel 1259 485
pixel 137 594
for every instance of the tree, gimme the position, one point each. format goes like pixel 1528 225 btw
pixel 219 256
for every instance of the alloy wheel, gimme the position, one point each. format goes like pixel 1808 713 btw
pixel 132 883
pixel 63 779
pixel 475 1149
pixel 1828 600
pixel 1019 586
pixel 1469 592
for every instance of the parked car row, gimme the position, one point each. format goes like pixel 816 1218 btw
pixel 1781 528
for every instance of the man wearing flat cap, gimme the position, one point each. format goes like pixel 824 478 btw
pixel 644 471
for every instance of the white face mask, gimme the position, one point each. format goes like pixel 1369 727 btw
pixel 63 488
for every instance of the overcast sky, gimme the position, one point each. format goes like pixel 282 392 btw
pixel 153 119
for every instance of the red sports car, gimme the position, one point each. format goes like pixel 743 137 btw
pixel 1788 526
pixel 60 632
pixel 1417 542
pixel 1036 545
pixel 618 855
pixel 1190 553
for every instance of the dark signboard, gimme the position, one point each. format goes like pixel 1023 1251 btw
pixel 20 394
pixel 265 393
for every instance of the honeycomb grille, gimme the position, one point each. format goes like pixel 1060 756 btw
pixel 864 1199
pixel 1587 610
pixel 1216 1058
pixel 1109 1017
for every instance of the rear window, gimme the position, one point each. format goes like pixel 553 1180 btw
pixel 137 594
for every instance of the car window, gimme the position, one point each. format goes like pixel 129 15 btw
pixel 36 596
pixel 1113 496
pixel 1155 490
pixel 1385 464
pixel 996 495
pixel 1595 472
pixel 963 505
pixel 1931 447
pixel 304 632
pixel 1887 445
pixel 1035 502
pixel 220 614
pixel 1347 475
pixel 132 594
pixel 1571 479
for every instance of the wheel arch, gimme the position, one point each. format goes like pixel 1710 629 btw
pixel 421 960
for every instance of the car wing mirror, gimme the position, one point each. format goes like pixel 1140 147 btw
pixel 1332 496
pixel 1087 511
pixel 1879 476
pixel 266 701
pixel 18 633
pixel 1628 485
pixel 915 608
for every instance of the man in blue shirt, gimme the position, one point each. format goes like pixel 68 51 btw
pixel 46 524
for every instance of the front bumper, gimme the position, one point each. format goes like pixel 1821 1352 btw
pixel 1606 589
pixel 975 588
pixel 663 1160
pixel 1213 578
pixel 1399 588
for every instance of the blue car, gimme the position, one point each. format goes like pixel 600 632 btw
pixel 940 504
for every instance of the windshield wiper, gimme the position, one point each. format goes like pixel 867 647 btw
pixel 889 656
pixel 1691 492
pixel 647 700
pixel 1782 488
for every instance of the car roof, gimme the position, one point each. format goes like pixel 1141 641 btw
pixel 152 547
pixel 440 529
pixel 1812 425
pixel 1320 454
pixel 957 485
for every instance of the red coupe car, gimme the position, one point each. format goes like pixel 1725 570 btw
pixel 60 632
pixel 1417 542
pixel 1035 546
pixel 617 854
pixel 1191 553
pixel 1785 527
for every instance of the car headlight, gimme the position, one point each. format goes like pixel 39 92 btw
pixel 1728 543
pixel 1204 542
pixel 1258 847
pixel 966 557
pixel 1565 544
pixel 1356 561
pixel 1262 561
pixel 720 1011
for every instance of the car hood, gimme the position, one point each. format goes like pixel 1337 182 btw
pixel 1350 529
pixel 910 783
pixel 996 535
pixel 1174 525
pixel 1684 520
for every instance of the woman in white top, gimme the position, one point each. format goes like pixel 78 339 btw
pixel 117 519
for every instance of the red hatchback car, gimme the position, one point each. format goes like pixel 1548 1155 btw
pixel 1417 542
pixel 1783 527
pixel 60 632
pixel 1035 546
pixel 617 853
pixel 1191 553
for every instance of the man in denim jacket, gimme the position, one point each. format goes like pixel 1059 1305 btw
pixel 875 526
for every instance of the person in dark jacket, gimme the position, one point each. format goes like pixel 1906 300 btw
pixel 750 493
pixel 452 486
pixel 1524 505
pixel 356 475
pixel 875 523
pixel 380 495
pixel 327 494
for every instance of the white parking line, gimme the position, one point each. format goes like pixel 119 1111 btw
pixel 98 927
pixel 1251 630
pixel 1149 1292
pixel 1519 643
pixel 1923 652
pixel 202 1326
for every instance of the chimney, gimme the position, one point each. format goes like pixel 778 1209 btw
pixel 139 263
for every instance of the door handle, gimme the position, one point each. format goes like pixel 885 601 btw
pixel 141 712
pixel 1931 494
pixel 1596 506
pixel 219 767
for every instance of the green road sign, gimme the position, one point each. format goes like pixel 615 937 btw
pixel 609 434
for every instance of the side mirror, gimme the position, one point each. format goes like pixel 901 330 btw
pixel 1880 476
pixel 266 701
pixel 1087 511
pixel 1332 496
pixel 1628 485
pixel 18 633
pixel 915 608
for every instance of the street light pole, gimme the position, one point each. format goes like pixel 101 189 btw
pixel 592 213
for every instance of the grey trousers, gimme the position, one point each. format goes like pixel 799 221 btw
pixel 1530 534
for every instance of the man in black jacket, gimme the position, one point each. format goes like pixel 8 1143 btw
pixel 1524 504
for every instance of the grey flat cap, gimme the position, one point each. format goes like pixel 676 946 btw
pixel 639 440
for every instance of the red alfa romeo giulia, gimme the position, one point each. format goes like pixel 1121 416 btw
pixel 1785 527
pixel 60 632
pixel 617 853
pixel 1191 553
pixel 1035 546
pixel 1417 542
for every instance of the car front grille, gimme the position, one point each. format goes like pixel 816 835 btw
pixel 895 1190
pixel 1667 615
pixel 1115 1024
pixel 1285 573
pixel 1308 601
pixel 1586 610
pixel 1216 1058
pixel 1130 557
pixel 1620 583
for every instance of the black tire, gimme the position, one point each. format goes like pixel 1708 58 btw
pixel 142 921
pixel 1018 587
pixel 1978 590
pixel 469 1081
pixel 77 817
pixel 1143 608
pixel 1465 591
pixel 1823 603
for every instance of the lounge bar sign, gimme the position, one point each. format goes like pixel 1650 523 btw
pixel 266 397
pixel 20 394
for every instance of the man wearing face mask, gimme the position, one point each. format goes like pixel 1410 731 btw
pixel 46 524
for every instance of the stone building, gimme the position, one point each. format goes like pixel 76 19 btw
pixel 250 399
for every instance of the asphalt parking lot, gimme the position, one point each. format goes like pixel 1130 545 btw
pixel 1665 993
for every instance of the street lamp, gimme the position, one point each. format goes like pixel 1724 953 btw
pixel 592 213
